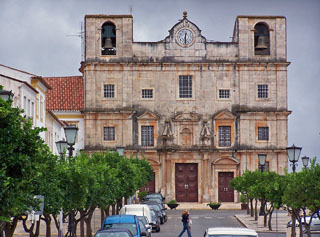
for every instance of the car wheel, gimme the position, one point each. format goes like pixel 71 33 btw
pixel 162 221
pixel 158 229
pixel 165 219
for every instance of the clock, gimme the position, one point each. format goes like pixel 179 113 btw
pixel 185 37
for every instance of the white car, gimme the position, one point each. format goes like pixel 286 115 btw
pixel 230 232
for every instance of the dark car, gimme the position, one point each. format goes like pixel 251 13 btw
pixel 114 233
pixel 154 196
pixel 146 222
pixel 129 222
pixel 156 220
pixel 158 208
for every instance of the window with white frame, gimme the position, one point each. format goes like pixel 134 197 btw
pixel 185 86
pixel 224 94
pixel 224 136
pixel 109 91
pixel 109 134
pixel 147 137
pixel 263 133
pixel 147 93
pixel 263 91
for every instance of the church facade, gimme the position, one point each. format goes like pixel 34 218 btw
pixel 199 111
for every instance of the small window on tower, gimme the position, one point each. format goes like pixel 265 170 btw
pixel 261 39
pixel 108 39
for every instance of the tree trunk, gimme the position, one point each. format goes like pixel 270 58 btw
pixel 113 209
pixel 256 210
pixel 102 216
pixel 269 222
pixel 47 218
pixel 11 227
pixel 88 221
pixel 82 228
pixel 251 207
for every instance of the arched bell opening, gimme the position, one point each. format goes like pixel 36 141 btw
pixel 108 39
pixel 261 39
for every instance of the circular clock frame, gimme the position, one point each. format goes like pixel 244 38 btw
pixel 185 37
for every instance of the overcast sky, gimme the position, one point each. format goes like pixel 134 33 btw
pixel 40 37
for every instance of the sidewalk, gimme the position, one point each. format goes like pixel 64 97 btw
pixel 279 222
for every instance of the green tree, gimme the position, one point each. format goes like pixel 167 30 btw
pixel 20 149
pixel 302 193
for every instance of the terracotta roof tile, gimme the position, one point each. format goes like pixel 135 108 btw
pixel 67 93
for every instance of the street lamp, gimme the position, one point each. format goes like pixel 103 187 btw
pixel 293 154
pixel 62 146
pixel 262 162
pixel 305 161
pixel 120 150
pixel 71 134
pixel 6 95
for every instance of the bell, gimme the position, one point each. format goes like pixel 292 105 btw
pixel 108 43
pixel 261 44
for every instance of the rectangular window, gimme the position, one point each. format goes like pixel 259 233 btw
pixel 41 110
pixel 28 108
pixel 185 86
pixel 224 136
pixel 224 94
pixel 109 134
pixel 263 91
pixel 108 91
pixel 147 138
pixel 263 133
pixel 25 104
pixel 147 93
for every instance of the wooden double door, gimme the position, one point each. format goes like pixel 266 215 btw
pixel 186 182
pixel 226 193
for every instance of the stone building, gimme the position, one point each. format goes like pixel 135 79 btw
pixel 200 111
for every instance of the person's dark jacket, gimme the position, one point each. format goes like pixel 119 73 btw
pixel 185 218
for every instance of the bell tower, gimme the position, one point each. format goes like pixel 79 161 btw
pixel 108 36
pixel 261 38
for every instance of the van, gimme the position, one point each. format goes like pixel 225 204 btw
pixel 136 209
pixel 129 222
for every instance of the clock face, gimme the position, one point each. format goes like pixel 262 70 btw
pixel 185 37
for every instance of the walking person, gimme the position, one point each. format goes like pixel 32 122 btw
pixel 185 221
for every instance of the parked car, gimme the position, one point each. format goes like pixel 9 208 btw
pixel 159 208
pixel 129 222
pixel 154 199
pixel 155 220
pixel 143 228
pixel 229 231
pixel 138 210
pixel 114 233
pixel 146 222
pixel 314 224
pixel 155 195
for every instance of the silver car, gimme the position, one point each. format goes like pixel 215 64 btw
pixel 230 232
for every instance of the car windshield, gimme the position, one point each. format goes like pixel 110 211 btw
pixel 143 219
pixel 113 234
pixel 129 226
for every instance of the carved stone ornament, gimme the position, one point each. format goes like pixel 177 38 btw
pixel 167 132
pixel 205 134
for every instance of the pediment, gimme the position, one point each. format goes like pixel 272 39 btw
pixel 226 161
pixel 192 117
pixel 184 23
pixel 148 116
pixel 224 115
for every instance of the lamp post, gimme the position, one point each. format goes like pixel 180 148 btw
pixel 305 161
pixel 293 154
pixel 71 134
pixel 62 146
pixel 6 95
pixel 262 162
pixel 120 150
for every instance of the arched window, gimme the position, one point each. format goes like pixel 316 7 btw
pixel 108 39
pixel 261 39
